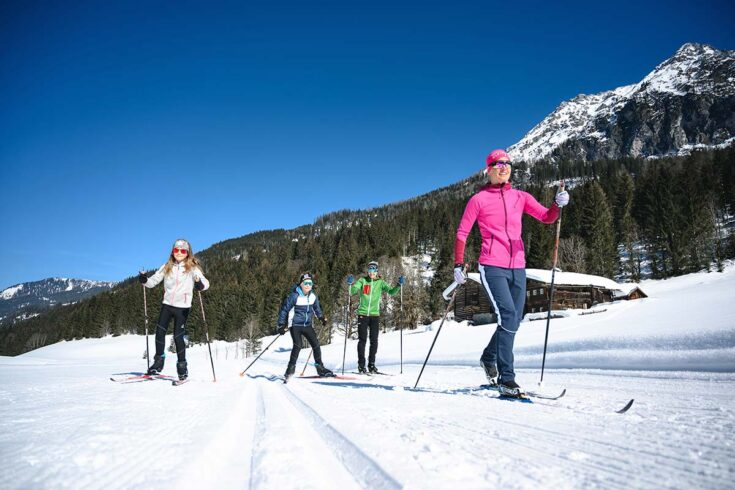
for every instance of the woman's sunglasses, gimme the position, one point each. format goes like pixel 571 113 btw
pixel 180 251
pixel 307 283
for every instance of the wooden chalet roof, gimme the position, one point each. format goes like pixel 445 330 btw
pixel 561 279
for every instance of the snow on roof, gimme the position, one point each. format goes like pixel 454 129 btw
pixel 571 279
pixel 561 278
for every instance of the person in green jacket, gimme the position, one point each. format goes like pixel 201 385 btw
pixel 371 288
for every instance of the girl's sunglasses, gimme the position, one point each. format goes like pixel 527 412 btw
pixel 307 283
pixel 372 269
pixel 500 165
pixel 180 251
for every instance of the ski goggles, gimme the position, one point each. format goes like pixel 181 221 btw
pixel 372 269
pixel 180 251
pixel 308 283
pixel 500 165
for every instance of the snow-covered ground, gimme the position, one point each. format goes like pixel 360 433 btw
pixel 64 424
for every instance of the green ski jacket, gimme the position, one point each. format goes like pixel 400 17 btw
pixel 370 294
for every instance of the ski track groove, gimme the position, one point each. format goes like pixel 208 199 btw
pixel 362 467
pixel 258 435
pixel 285 435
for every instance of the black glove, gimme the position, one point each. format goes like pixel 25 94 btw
pixel 198 285
pixel 282 329
pixel 142 277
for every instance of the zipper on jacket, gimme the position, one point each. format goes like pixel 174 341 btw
pixel 370 297
pixel 510 242
pixel 306 318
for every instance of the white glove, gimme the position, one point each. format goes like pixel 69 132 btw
pixel 562 199
pixel 459 276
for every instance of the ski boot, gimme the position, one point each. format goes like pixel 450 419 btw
pixel 289 372
pixel 491 372
pixel 183 373
pixel 361 369
pixel 510 389
pixel 323 372
pixel 157 366
pixel 182 370
pixel 372 369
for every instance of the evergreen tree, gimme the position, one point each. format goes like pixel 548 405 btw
pixel 597 232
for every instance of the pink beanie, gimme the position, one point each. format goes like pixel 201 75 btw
pixel 496 155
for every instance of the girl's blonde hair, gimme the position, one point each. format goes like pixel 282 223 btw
pixel 189 262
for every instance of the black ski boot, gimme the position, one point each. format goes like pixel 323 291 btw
pixel 323 372
pixel 157 366
pixel 182 370
pixel 372 369
pixel 491 372
pixel 511 389
pixel 361 369
pixel 289 372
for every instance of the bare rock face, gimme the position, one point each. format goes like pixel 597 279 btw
pixel 687 102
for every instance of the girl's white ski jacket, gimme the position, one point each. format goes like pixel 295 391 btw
pixel 178 285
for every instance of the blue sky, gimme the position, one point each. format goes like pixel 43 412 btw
pixel 125 125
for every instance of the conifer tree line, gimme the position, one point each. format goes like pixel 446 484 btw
pixel 628 219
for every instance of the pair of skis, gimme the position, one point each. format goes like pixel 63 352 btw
pixel 528 396
pixel 141 377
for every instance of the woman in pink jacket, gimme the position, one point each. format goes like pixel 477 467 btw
pixel 498 209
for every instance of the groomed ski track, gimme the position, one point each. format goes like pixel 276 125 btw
pixel 318 453
pixel 67 424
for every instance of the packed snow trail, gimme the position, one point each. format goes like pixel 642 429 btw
pixel 64 424
pixel 303 454
pixel 577 441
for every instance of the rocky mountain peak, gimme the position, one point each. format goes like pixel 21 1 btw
pixel 686 102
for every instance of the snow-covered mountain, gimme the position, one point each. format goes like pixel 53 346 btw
pixel 27 299
pixel 687 102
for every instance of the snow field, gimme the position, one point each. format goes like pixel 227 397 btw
pixel 63 424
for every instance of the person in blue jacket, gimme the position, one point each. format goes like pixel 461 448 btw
pixel 296 315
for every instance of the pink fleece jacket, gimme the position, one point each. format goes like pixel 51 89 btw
pixel 498 210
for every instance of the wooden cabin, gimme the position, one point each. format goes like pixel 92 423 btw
pixel 571 291
pixel 566 296
pixel 472 303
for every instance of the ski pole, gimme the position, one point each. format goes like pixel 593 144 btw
pixel 551 289
pixel 446 312
pixel 401 328
pixel 261 353
pixel 306 363
pixel 206 334
pixel 350 280
pixel 145 314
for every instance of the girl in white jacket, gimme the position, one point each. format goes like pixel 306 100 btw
pixel 181 275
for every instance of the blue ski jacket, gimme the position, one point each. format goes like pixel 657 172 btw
pixel 299 308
